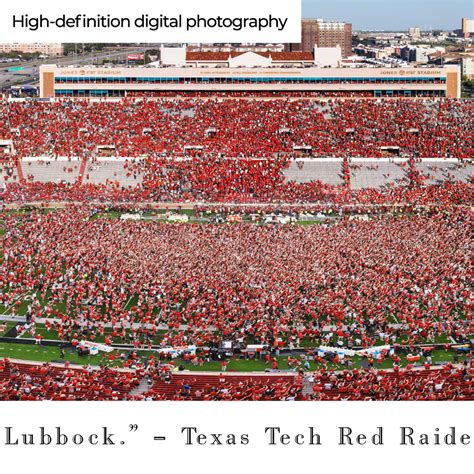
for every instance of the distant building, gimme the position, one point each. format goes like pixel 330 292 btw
pixel 464 59
pixel 467 27
pixel 374 52
pixel 419 54
pixel 414 32
pixel 467 67
pixel 48 49
pixel 324 34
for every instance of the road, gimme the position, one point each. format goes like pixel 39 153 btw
pixel 30 74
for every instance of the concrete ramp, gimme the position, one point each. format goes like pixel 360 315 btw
pixel 51 171
pixel 439 171
pixel 307 170
pixel 377 174
pixel 103 171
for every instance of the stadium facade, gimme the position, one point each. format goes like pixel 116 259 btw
pixel 70 81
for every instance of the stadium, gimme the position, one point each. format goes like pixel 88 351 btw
pixel 213 233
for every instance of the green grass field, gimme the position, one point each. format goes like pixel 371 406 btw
pixel 53 335
pixel 39 353
pixel 43 354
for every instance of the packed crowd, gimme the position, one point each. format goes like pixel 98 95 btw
pixel 388 279
pixel 240 128
pixel 233 150
pixel 252 94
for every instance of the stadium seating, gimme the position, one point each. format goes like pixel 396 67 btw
pixel 30 381
pixel 27 381
pixel 419 384
pixel 225 387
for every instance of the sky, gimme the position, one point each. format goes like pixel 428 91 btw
pixel 392 14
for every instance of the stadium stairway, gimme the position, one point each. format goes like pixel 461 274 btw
pixel 82 171
pixel 346 174
pixel 19 170
pixel 141 388
pixel 307 388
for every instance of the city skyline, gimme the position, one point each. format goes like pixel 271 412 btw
pixel 392 14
